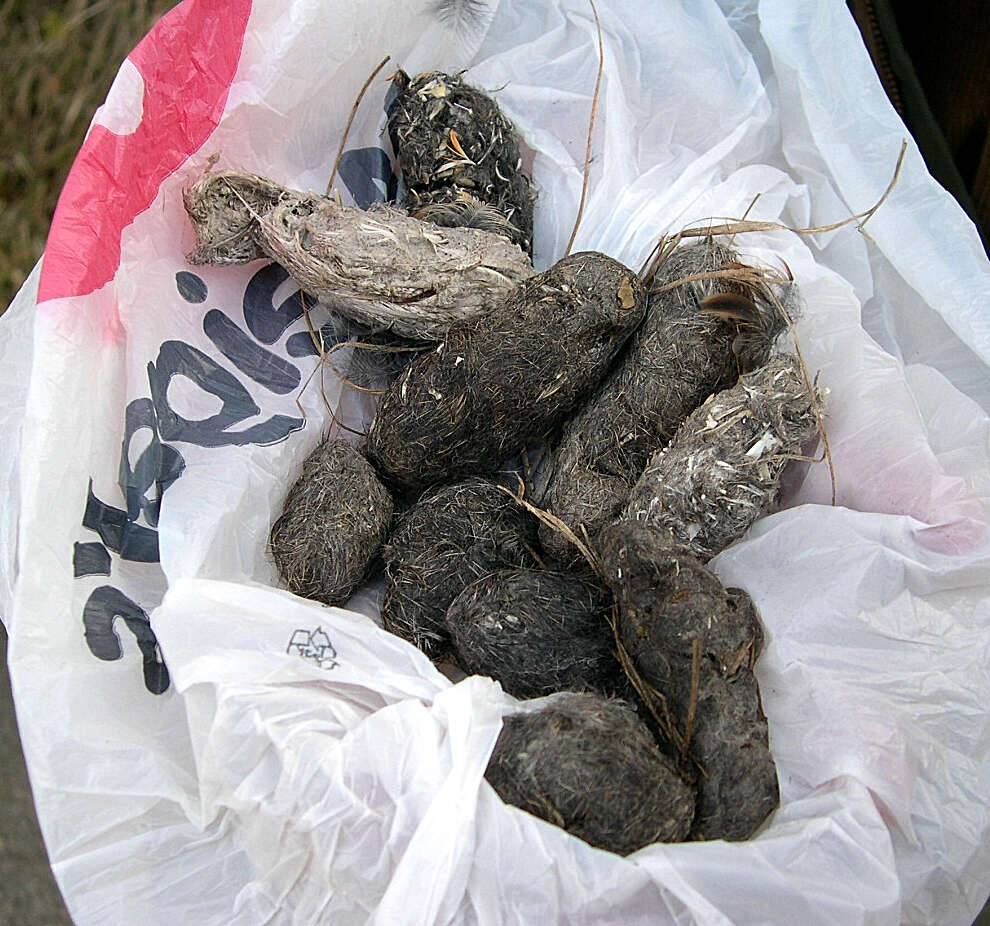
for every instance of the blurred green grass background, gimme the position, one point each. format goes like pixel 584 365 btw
pixel 57 63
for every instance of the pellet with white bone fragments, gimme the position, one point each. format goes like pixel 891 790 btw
pixel 722 469
pixel 379 267
pixel 688 347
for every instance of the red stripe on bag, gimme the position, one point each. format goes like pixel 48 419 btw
pixel 187 62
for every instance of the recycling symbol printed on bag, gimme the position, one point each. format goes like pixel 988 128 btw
pixel 314 646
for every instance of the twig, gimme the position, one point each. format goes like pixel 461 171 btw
pixel 751 275
pixel 350 120
pixel 591 130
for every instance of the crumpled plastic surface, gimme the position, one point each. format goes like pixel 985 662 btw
pixel 205 748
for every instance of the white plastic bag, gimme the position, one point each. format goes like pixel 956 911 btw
pixel 297 764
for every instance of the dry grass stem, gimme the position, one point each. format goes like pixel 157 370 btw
pixel 692 697
pixel 591 130
pixel 350 120
pixel 647 693
pixel 555 524
pixel 317 339
pixel 734 227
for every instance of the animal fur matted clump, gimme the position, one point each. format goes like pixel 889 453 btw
pixel 509 377
pixel 722 469
pixel 738 789
pixel 695 643
pixel 590 766
pixel 451 537
pixel 668 602
pixel 682 353
pixel 335 519
pixel 224 208
pixel 380 267
pixel 459 156
pixel 536 632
